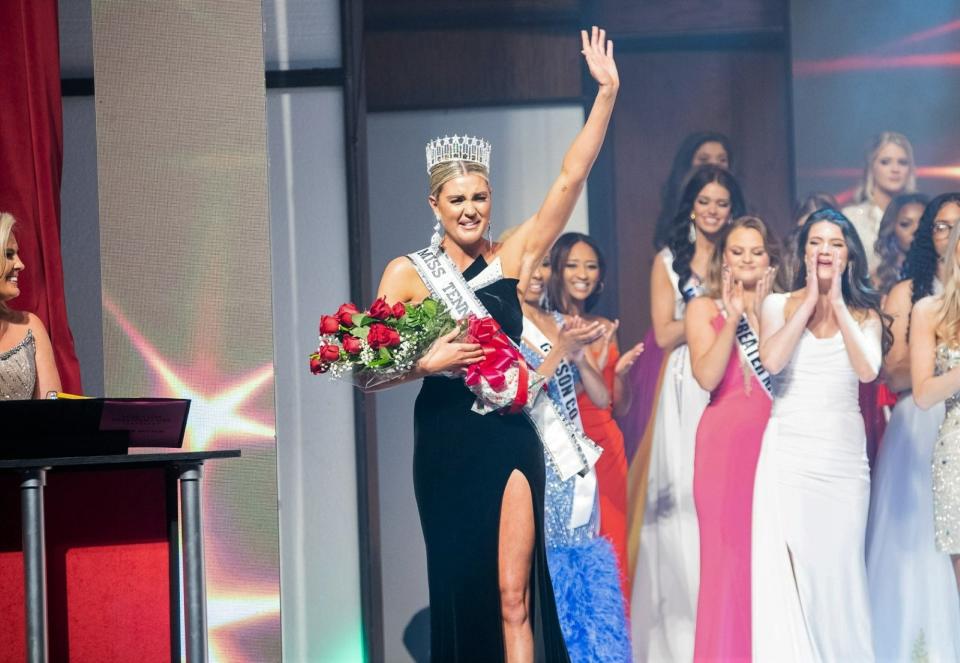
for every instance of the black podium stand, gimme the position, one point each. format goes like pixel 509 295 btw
pixel 183 471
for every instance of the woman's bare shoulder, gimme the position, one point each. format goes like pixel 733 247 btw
pixel 401 282
pixel 927 306
pixel 702 306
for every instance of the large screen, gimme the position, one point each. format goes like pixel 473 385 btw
pixel 862 68
pixel 185 264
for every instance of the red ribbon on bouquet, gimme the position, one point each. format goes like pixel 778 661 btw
pixel 499 356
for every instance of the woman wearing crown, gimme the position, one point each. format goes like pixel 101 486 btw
pixel 479 480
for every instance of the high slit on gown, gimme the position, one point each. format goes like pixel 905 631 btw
pixel 462 462
pixel 810 502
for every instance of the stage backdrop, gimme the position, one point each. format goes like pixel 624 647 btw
pixel 861 68
pixel 186 275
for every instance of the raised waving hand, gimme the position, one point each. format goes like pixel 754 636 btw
pixel 598 52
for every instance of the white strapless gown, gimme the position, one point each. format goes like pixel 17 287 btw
pixel 913 596
pixel 811 497
pixel 663 604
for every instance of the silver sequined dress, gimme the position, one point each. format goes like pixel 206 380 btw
pixel 946 464
pixel 18 370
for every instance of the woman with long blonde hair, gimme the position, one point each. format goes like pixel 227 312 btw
pixel 935 374
pixel 888 171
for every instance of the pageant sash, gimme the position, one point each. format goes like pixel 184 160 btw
pixel 563 377
pixel 584 486
pixel 571 451
pixel 749 346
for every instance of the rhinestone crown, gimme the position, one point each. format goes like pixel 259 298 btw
pixel 458 148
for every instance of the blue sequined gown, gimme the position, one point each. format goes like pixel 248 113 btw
pixel 583 567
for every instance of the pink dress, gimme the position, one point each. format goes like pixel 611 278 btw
pixel 728 446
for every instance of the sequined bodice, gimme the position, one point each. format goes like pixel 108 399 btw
pixel 948 358
pixel 18 370
pixel 558 500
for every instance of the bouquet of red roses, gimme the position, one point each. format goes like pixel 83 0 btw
pixel 374 346
pixel 377 345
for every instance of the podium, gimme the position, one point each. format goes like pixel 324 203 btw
pixel 109 510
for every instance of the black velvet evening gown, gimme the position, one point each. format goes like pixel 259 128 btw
pixel 462 462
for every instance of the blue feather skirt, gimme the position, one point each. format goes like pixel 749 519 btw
pixel 586 587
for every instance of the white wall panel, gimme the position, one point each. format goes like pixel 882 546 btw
pixel 315 434
pixel 300 34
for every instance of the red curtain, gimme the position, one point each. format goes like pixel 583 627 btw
pixel 31 159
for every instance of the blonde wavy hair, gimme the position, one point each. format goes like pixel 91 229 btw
pixel 948 318
pixel 6 229
pixel 864 192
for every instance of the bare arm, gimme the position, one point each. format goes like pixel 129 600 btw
pixel 709 350
pixel 537 234
pixel 669 333
pixel 401 283
pixel 622 392
pixel 572 338
pixel 48 378
pixel 928 388
pixel 779 337
pixel 896 363
pixel 861 342
pixel 593 384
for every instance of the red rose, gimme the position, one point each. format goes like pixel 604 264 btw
pixel 378 336
pixel 351 344
pixel 380 310
pixel 317 367
pixel 393 338
pixel 329 324
pixel 345 314
pixel 399 310
pixel 330 353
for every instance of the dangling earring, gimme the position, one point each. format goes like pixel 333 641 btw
pixel 692 233
pixel 437 236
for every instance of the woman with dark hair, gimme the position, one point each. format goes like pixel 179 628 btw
pixel 913 605
pixel 577 270
pixel 888 170
pixel 583 566
pixel 935 376
pixel 701 148
pixel 897 227
pixel 802 210
pixel 812 487
pixel 666 574
pixel 721 329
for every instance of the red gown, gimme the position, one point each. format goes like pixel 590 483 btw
pixel 599 425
